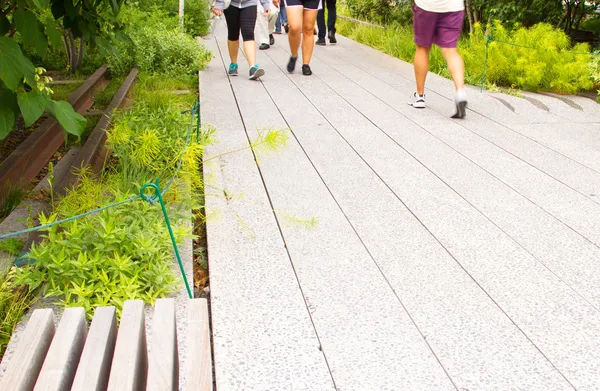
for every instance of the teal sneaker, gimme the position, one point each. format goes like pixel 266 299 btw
pixel 233 69
pixel 256 72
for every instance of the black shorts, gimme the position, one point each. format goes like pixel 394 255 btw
pixel 313 5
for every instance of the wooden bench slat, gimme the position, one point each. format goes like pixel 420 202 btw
pixel 129 369
pixel 26 362
pixel 163 367
pixel 94 367
pixel 199 365
pixel 61 362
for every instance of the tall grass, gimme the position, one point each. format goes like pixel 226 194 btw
pixel 14 302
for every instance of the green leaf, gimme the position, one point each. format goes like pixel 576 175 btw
pixel 41 4
pixel 32 31
pixel 52 31
pixel 115 6
pixel 70 121
pixel 33 105
pixel 9 110
pixel 12 63
pixel 4 25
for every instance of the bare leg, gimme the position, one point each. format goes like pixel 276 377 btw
pixel 456 66
pixel 308 42
pixel 421 67
pixel 250 50
pixel 295 16
pixel 234 48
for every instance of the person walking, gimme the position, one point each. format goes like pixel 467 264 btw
pixel 282 19
pixel 439 22
pixel 266 25
pixel 302 15
pixel 241 16
pixel 331 18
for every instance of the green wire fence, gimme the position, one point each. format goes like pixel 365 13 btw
pixel 152 199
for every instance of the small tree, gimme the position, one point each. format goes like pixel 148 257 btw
pixel 37 24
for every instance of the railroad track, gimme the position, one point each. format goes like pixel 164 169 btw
pixel 23 165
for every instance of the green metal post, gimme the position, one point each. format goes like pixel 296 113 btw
pixel 152 200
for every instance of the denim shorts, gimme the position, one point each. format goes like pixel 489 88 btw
pixel 442 29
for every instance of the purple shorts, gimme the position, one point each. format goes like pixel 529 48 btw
pixel 442 29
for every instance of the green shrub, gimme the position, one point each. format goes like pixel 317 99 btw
pixel 114 256
pixel 592 25
pixel 157 45
pixel 379 11
pixel 14 302
pixel 196 13
pixel 125 252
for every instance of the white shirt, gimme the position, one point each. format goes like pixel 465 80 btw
pixel 441 6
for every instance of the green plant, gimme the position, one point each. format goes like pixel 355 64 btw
pixel 119 254
pixel 12 246
pixel 13 196
pixel 14 302
pixel 104 97
pixel 157 46
pixel 35 25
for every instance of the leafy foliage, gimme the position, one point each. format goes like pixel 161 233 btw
pixel 12 246
pixel 35 25
pixel 122 253
pixel 196 13
pixel 158 45
pixel 14 302
pixel 115 256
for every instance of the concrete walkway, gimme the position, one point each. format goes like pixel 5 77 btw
pixel 447 254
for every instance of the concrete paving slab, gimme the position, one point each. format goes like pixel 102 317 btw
pixel 369 342
pixel 564 109
pixel 552 242
pixel 262 331
pixel 475 244
pixel 574 209
pixel 405 251
pixel 490 251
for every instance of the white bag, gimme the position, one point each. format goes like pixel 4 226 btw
pixel 226 4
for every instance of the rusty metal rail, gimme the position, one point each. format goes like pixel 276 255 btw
pixel 26 162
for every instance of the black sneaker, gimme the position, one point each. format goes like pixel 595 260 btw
pixel 256 72
pixel 321 42
pixel 332 37
pixel 292 64
pixel 286 27
pixel 306 70
pixel 271 39
pixel 264 46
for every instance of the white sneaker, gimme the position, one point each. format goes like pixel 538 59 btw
pixel 460 100
pixel 417 101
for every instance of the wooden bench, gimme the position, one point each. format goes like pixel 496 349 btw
pixel 71 357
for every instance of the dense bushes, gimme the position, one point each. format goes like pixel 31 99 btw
pixel 123 252
pixel 380 11
pixel 157 45
pixel 550 66
pixel 196 14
